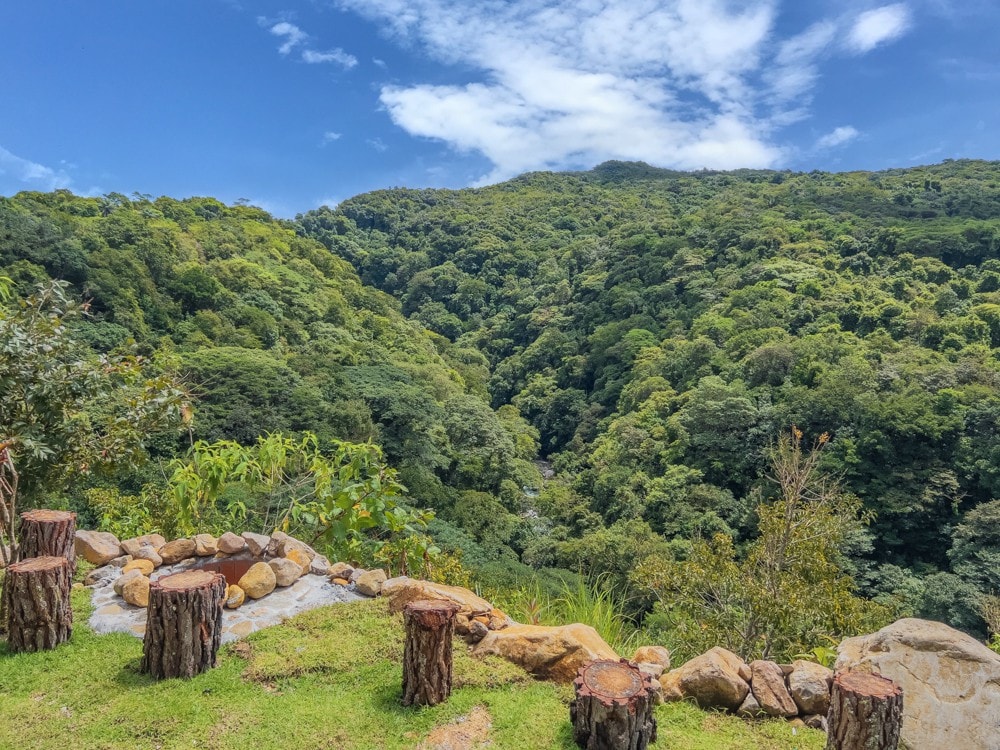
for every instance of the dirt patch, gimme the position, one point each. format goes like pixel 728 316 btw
pixel 465 733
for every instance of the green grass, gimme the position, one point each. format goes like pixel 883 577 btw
pixel 329 678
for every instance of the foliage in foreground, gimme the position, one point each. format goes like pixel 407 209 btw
pixel 329 678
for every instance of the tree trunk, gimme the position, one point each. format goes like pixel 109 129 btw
pixel 48 532
pixel 866 713
pixel 36 602
pixel 430 628
pixel 613 708
pixel 183 624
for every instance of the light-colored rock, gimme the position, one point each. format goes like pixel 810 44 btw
pixel 286 572
pixel 129 546
pixel 121 561
pixel 235 596
pixel 230 544
pixel 652 655
pixel 750 708
pixel 810 683
pixel 143 566
pixel 283 544
pixel 256 543
pixel 499 620
pixel 123 579
pixel 149 553
pixel 653 669
pixel 319 566
pixel 816 721
pixel 205 545
pixel 370 584
pixel 554 653
pixel 340 570
pixel 177 550
pixel 714 680
pixel 97 547
pixel 300 558
pixel 767 682
pixel 258 581
pixel 477 631
pixel 99 575
pixel 136 591
pixel 356 574
pixel 950 682
pixel 402 590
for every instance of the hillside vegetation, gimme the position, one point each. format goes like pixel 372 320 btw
pixel 653 335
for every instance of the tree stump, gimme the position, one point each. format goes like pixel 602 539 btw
pixel 183 624
pixel 48 532
pixel 866 713
pixel 430 628
pixel 613 708
pixel 36 603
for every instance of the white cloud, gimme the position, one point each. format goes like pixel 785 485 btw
pixel 330 136
pixel 335 56
pixel 568 83
pixel 291 33
pixel 837 137
pixel 378 144
pixel 32 175
pixel 875 27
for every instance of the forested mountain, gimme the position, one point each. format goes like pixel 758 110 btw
pixel 659 329
pixel 650 333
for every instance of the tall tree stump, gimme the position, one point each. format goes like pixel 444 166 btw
pixel 48 532
pixel 36 604
pixel 613 708
pixel 427 655
pixel 183 624
pixel 866 713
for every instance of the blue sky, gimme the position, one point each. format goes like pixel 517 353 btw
pixel 294 104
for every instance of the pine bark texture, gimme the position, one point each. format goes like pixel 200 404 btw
pixel 613 708
pixel 866 713
pixel 36 604
pixel 48 532
pixel 427 654
pixel 183 624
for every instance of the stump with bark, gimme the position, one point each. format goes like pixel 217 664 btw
pixel 183 624
pixel 866 713
pixel 427 654
pixel 613 708
pixel 36 604
pixel 48 532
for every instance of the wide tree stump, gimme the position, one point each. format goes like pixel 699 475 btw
pixel 48 532
pixel 183 624
pixel 613 708
pixel 36 603
pixel 427 654
pixel 866 713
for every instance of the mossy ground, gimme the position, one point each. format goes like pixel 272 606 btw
pixel 329 678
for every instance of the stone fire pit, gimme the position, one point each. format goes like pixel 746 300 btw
pixel 269 578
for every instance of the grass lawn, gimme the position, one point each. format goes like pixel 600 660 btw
pixel 330 678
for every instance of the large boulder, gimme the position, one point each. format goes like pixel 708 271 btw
pixel 131 546
pixel 652 655
pixel 370 584
pixel 767 682
pixel 950 682
pixel 177 550
pixel 716 679
pixel 402 590
pixel 256 543
pixel 258 581
pixel 136 591
pixel 286 572
pixel 230 544
pixel 810 684
pixel 205 545
pixel 97 547
pixel 554 653
pixel 281 544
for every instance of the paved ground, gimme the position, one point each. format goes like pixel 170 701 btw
pixel 112 614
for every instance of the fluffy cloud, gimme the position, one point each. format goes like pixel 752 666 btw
pixel 568 83
pixel 875 27
pixel 292 35
pixel 838 137
pixel 335 56
pixel 30 174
